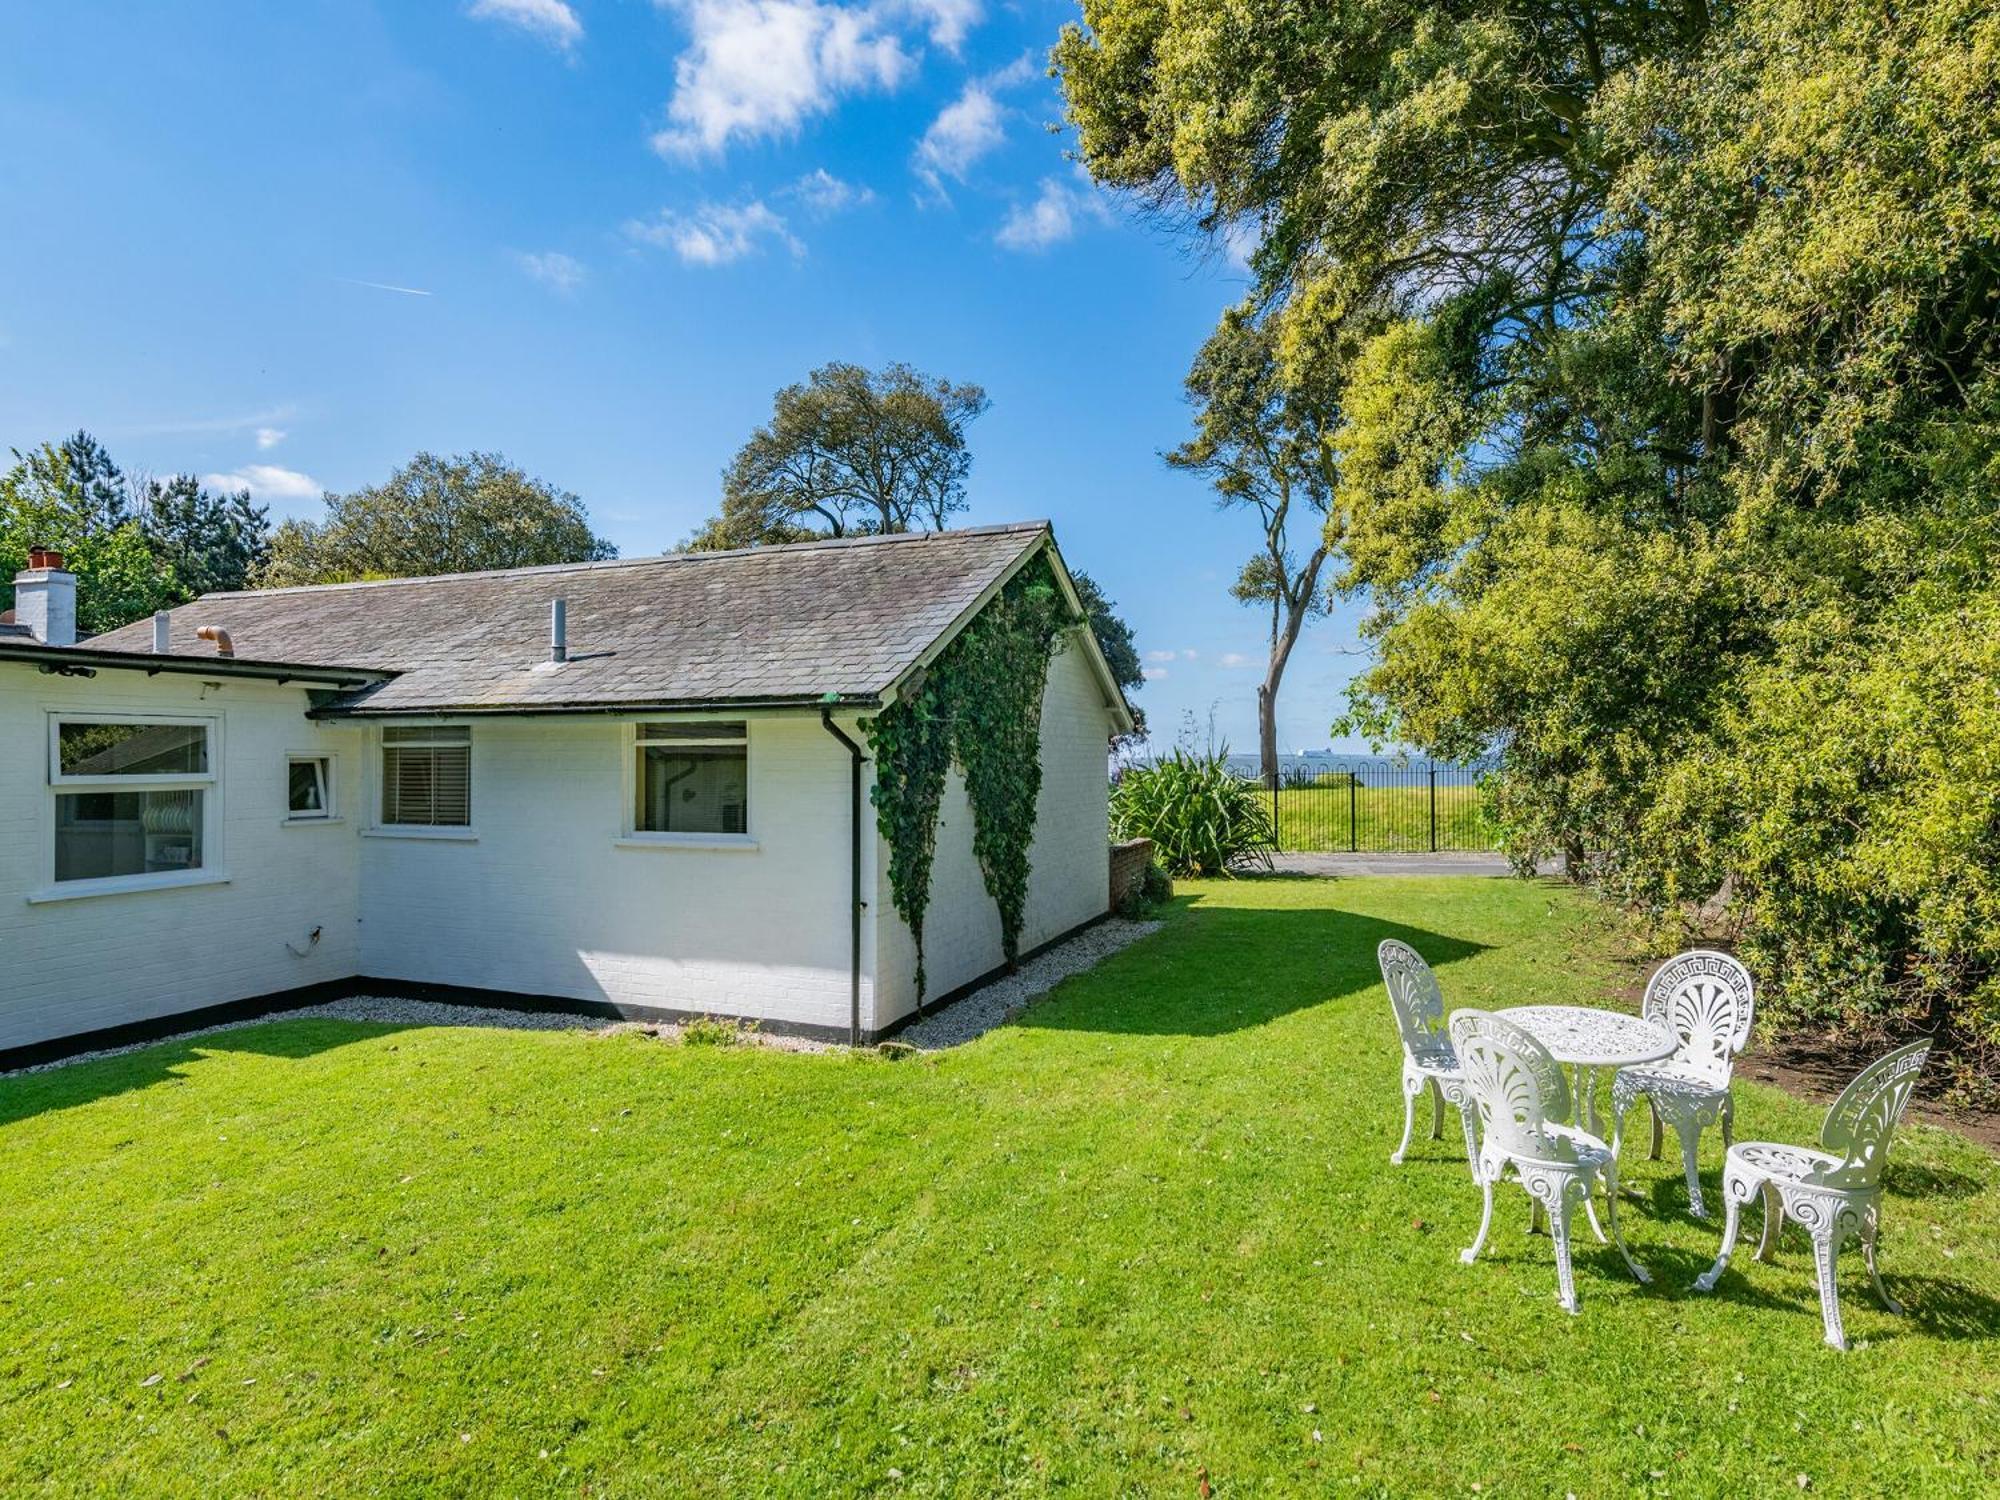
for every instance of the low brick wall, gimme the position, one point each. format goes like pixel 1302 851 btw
pixel 1128 868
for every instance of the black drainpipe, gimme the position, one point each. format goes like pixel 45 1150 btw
pixel 857 761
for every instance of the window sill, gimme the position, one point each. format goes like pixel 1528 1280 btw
pixel 417 831
pixel 310 822
pixel 125 885
pixel 740 841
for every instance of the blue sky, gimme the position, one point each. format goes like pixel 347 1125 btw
pixel 293 244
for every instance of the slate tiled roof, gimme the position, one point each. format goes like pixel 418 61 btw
pixel 766 625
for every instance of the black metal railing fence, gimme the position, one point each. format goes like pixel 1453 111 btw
pixel 1379 805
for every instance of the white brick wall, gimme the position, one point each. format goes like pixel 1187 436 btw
pixel 1069 877
pixel 547 901
pixel 80 965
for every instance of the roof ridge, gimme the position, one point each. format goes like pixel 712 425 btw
pixel 654 560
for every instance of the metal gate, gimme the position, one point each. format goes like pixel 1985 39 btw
pixel 1380 805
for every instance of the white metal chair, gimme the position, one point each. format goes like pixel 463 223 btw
pixel 1834 1192
pixel 1428 1059
pixel 1523 1101
pixel 1705 999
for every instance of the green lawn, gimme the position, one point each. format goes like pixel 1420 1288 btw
pixel 1379 819
pixel 1150 1232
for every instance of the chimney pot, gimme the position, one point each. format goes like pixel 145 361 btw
pixel 45 598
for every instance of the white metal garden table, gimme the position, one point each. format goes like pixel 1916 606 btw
pixel 1586 1040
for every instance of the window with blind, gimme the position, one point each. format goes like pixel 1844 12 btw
pixel 427 777
pixel 692 778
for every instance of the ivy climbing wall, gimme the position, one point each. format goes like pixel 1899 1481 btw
pixel 1067 857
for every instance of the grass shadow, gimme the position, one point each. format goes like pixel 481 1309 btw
pixel 1257 964
pixel 26 1095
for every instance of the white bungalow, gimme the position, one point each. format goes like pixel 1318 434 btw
pixel 635 788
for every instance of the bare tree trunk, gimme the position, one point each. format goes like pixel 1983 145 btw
pixel 1267 728
pixel 1284 636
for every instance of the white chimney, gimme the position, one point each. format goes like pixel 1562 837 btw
pixel 45 598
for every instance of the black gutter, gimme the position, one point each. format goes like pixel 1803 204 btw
pixel 586 708
pixel 856 761
pixel 75 660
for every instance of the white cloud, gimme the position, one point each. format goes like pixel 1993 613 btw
pixel 261 419
pixel 715 234
pixel 551 20
pixel 266 482
pixel 1234 659
pixel 1161 655
pixel 270 437
pixel 1156 674
pixel 1053 217
pixel 949 20
pixel 824 194
pixel 756 69
pixel 559 272
pixel 965 130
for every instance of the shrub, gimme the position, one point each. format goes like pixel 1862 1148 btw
pixel 713 1031
pixel 1155 888
pixel 1202 817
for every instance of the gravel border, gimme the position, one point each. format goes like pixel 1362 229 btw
pixel 960 1022
pixel 387 1008
pixel 999 1002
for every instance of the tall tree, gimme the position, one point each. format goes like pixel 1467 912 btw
pixel 1665 344
pixel 850 452
pixel 211 542
pixel 1263 442
pixel 45 502
pixel 436 515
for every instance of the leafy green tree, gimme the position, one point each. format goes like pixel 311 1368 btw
pixel 436 515
pixel 212 543
pixel 44 502
pixel 1262 440
pixel 851 452
pixel 1663 342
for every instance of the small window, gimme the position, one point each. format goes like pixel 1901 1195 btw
pixel 427 777
pixel 308 788
pixel 692 778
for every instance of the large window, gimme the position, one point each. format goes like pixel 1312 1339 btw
pixel 692 778
pixel 131 796
pixel 427 777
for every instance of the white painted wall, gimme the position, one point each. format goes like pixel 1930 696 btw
pixel 82 964
pixel 1069 879
pixel 547 897
pixel 551 899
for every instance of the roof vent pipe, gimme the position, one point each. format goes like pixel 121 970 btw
pixel 559 630
pixel 162 622
pixel 223 645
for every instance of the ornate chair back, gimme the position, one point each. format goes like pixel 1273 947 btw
pixel 1705 998
pixel 1518 1087
pixel 1864 1118
pixel 1417 1001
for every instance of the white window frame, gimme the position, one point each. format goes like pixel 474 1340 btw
pixel 376 827
pixel 634 837
pixel 329 796
pixel 211 871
